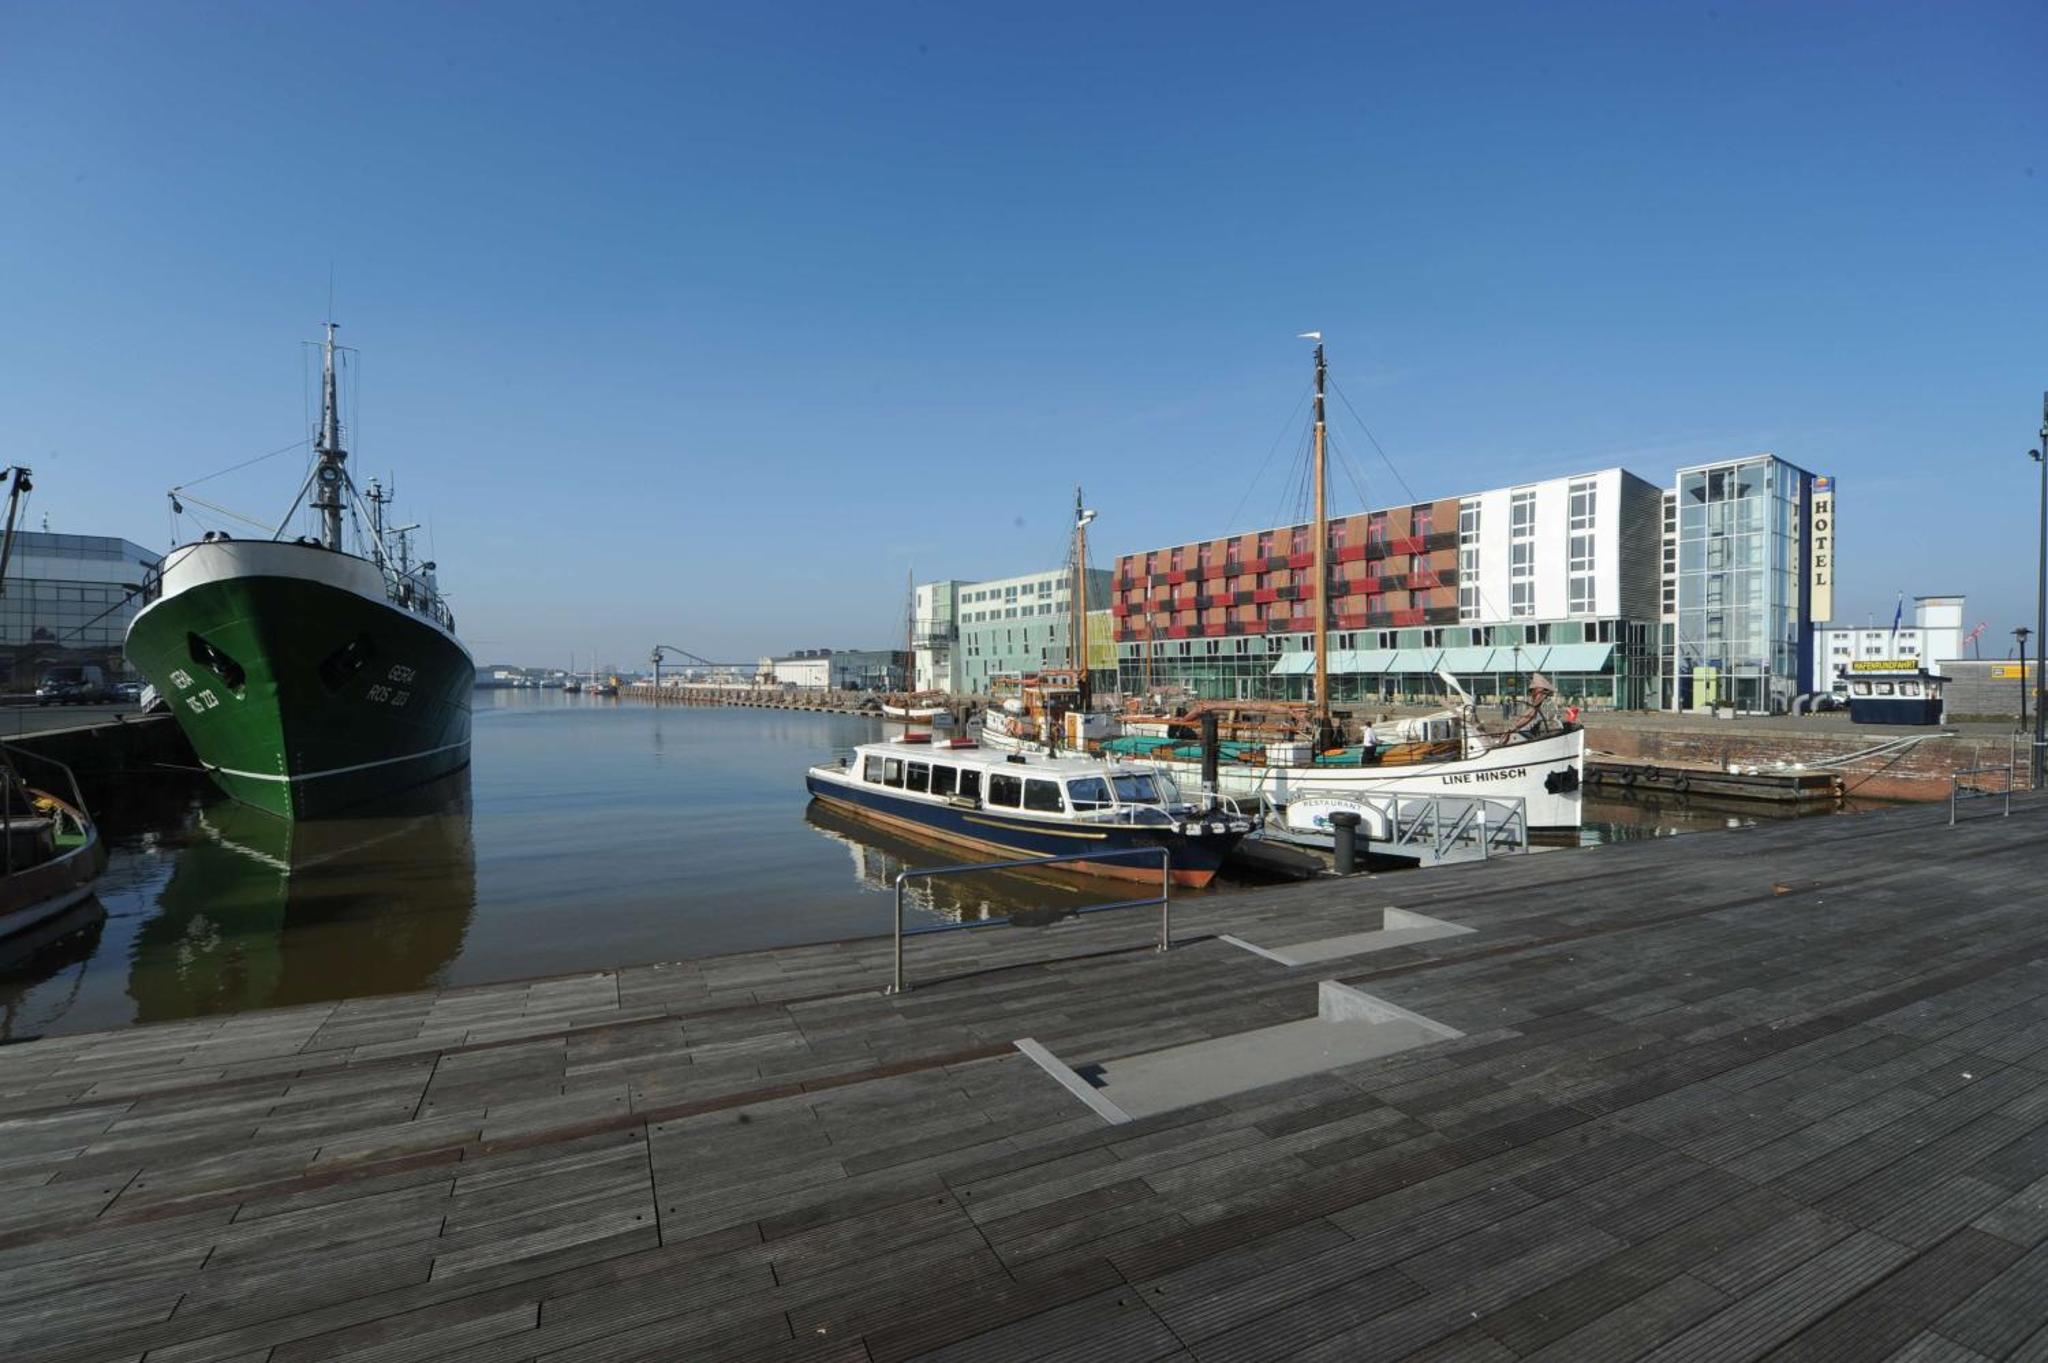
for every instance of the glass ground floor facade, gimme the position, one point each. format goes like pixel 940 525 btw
pixel 1602 664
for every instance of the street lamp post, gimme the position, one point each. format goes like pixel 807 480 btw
pixel 2041 610
pixel 2021 634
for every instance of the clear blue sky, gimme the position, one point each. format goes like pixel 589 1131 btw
pixel 702 325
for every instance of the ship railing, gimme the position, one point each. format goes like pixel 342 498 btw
pixel 1164 899
pixel 1434 826
pixel 1446 823
pixel 1966 783
pixel 75 814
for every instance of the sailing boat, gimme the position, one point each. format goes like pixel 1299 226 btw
pixel 570 684
pixel 307 676
pixel 1284 752
pixel 1054 708
pixel 911 704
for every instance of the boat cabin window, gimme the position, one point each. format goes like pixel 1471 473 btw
pixel 1090 792
pixel 1004 790
pixel 970 784
pixel 1138 788
pixel 943 779
pixel 1043 797
pixel 871 769
pixel 1909 688
pixel 892 771
pixel 1884 688
pixel 918 776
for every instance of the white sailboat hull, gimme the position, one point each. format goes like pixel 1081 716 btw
pixel 1545 773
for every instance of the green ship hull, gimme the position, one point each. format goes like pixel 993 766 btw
pixel 301 693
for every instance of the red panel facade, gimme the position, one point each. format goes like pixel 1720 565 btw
pixel 1388 569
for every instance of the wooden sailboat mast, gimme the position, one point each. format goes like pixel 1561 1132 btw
pixel 909 639
pixel 1077 628
pixel 1322 560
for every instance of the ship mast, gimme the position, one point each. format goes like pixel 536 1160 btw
pixel 1322 568
pixel 331 475
pixel 1077 630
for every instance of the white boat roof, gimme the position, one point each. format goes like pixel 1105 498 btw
pixel 993 760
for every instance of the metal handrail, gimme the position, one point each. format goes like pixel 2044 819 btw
pixel 1469 824
pixel 1164 899
pixel 2011 770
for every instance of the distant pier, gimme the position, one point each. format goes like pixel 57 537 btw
pixel 776 698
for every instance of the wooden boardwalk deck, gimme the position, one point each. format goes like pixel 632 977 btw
pixel 1780 1092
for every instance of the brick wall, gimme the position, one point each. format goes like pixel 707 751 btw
pixel 1920 773
pixel 1969 689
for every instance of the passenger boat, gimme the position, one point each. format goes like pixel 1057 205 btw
pixel 1279 751
pixel 1008 805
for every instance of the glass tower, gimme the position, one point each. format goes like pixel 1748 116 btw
pixel 1743 637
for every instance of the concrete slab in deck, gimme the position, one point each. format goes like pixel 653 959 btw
pixel 1728 1096
pixel 1398 928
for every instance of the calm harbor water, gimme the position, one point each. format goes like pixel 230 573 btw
pixel 588 833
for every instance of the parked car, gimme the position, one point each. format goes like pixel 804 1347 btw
pixel 84 685
pixel 128 691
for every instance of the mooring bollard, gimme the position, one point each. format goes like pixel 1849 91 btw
pixel 1346 823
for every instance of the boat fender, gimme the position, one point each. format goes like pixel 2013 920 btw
pixel 1682 784
pixel 1651 774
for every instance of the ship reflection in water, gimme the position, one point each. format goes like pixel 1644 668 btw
pixel 261 912
pixel 218 907
pixel 879 856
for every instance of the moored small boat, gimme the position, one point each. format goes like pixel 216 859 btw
pixel 1009 805
pixel 50 848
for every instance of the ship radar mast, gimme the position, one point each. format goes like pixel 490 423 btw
pixel 331 476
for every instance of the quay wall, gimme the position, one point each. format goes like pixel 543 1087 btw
pixel 108 750
pixel 1920 772
pixel 771 698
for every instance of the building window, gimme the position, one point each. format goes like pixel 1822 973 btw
pixel 1468 560
pixel 1522 555
pixel 1579 568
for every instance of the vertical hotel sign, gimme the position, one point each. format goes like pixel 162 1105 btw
pixel 1820 598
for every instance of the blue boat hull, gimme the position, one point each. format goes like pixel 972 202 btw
pixel 1193 858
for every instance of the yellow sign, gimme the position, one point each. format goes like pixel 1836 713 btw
pixel 2011 672
pixel 1821 523
pixel 1885 665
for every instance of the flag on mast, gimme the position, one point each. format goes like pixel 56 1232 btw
pixel 1308 336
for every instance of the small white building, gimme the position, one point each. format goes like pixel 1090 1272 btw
pixel 1934 634
pixel 842 669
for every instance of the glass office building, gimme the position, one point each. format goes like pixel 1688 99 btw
pixel 1740 633
pixel 68 601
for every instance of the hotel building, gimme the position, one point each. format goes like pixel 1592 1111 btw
pixel 1742 584
pixel 1558 576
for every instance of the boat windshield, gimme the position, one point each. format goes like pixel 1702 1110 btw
pixel 1136 788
